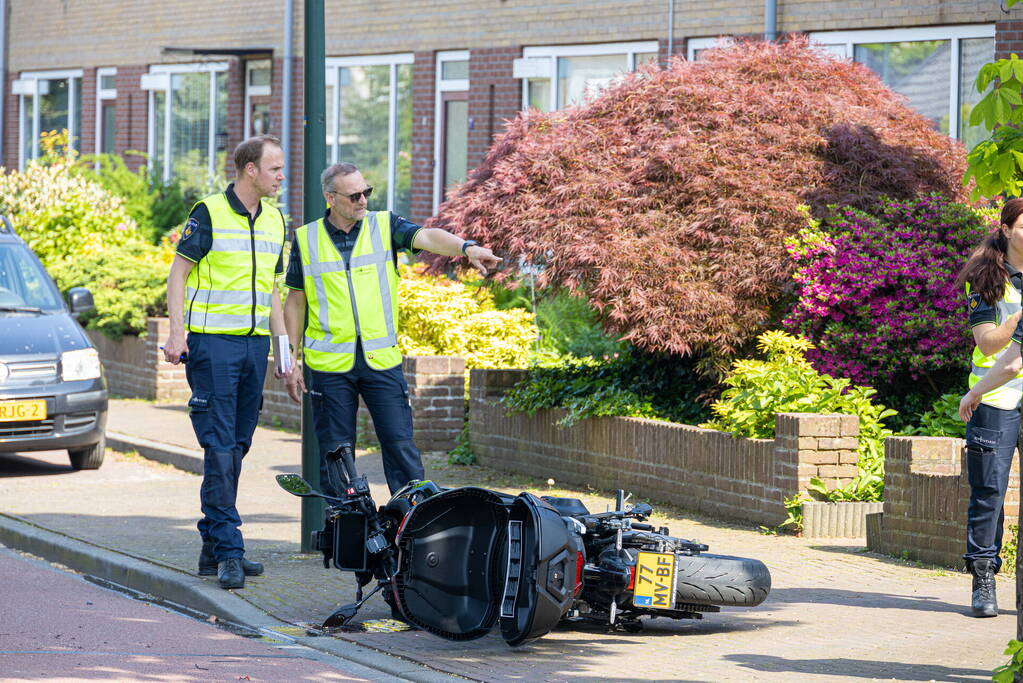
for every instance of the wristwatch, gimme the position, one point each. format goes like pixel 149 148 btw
pixel 468 243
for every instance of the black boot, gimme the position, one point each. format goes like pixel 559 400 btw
pixel 230 574
pixel 208 563
pixel 985 604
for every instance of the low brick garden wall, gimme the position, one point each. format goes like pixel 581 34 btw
pixel 926 493
pixel 135 369
pixel 697 469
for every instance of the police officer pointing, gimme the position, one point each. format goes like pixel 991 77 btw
pixel 342 269
pixel 222 289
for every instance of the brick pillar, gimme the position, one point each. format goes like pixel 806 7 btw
pixel 423 115
pixel 436 387
pixel 822 446
pixel 132 116
pixel 1008 38
pixel 87 120
pixel 494 97
pixel 170 384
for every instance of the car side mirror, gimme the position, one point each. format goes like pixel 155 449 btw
pixel 80 301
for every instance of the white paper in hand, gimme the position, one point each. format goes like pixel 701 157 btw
pixel 282 353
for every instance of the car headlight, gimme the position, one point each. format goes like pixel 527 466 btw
pixel 80 364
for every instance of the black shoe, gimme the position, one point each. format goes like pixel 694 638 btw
pixel 985 603
pixel 208 563
pixel 230 574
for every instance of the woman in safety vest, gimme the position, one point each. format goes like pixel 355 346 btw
pixel 993 282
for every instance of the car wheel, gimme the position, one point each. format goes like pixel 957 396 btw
pixel 89 458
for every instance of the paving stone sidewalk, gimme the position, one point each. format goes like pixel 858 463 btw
pixel 835 613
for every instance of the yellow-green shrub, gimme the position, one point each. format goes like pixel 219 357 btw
pixel 443 317
pixel 61 214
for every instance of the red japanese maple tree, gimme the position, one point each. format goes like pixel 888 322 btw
pixel 667 199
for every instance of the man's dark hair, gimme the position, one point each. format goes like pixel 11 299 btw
pixel 251 150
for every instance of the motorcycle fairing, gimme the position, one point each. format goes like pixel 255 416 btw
pixel 469 556
pixel 450 552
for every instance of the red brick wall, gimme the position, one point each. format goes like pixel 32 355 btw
pixel 1008 38
pixel 11 114
pixel 87 124
pixel 423 123
pixel 699 469
pixel 494 97
pixel 926 493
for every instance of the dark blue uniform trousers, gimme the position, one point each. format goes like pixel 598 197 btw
pixel 991 436
pixel 226 374
pixel 335 400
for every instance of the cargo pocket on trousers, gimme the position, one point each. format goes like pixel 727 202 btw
pixel 981 445
pixel 199 402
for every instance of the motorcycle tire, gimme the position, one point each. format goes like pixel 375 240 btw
pixel 722 580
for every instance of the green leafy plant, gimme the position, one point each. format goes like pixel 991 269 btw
pixel 156 207
pixel 942 419
pixel 785 382
pixel 995 164
pixel 61 214
pixel 1010 547
pixel 1007 673
pixel 128 284
pixel 630 384
pixel 462 454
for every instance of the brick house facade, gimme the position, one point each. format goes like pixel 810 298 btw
pixel 133 37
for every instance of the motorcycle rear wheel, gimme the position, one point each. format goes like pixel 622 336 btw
pixel 722 580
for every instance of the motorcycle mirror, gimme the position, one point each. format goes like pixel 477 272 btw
pixel 296 485
pixel 642 509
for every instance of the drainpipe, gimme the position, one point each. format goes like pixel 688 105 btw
pixel 770 20
pixel 3 73
pixel 289 20
pixel 671 29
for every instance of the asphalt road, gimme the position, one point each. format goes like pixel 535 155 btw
pixel 57 626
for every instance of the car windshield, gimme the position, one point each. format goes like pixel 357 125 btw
pixel 23 283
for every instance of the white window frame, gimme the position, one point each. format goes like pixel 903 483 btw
pixel 333 67
pixel 102 94
pixel 158 78
pixel 443 85
pixel 254 90
pixel 843 44
pixel 27 85
pixel 694 45
pixel 551 53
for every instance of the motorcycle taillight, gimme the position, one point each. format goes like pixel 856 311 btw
pixel 579 562
pixel 632 578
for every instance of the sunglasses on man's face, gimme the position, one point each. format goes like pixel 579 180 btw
pixel 355 196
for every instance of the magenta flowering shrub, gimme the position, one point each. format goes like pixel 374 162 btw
pixel 877 295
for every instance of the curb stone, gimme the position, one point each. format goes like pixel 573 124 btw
pixel 197 594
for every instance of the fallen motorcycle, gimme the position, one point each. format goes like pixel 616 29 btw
pixel 456 562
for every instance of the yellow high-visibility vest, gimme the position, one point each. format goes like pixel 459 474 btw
pixel 229 290
pixel 1007 396
pixel 357 301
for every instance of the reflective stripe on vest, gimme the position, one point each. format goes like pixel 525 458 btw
pixel 230 289
pixel 359 301
pixel 1007 396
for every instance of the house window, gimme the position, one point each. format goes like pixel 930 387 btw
pixel 451 122
pixel 188 121
pixel 257 98
pixel 559 76
pixel 934 67
pixel 49 101
pixel 369 124
pixel 106 110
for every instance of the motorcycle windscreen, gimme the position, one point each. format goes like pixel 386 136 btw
pixel 451 562
pixel 540 545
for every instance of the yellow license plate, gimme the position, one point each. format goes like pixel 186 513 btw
pixel 20 411
pixel 655 581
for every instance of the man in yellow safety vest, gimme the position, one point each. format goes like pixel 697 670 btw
pixel 342 270
pixel 222 288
